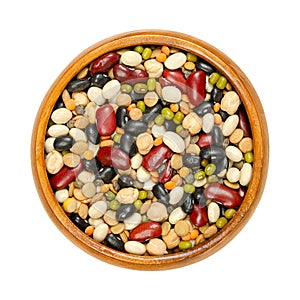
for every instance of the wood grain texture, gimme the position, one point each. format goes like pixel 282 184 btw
pixel 260 141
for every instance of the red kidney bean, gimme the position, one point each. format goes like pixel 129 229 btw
pixel 114 157
pixel 122 73
pixel 155 157
pixel 167 173
pixel 199 215
pixel 243 121
pixel 145 231
pixel 196 87
pixel 106 120
pixel 65 176
pixel 205 140
pixel 175 77
pixel 221 193
pixel 105 62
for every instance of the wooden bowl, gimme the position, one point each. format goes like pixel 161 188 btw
pixel 258 125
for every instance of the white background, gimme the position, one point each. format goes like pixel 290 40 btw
pixel 38 39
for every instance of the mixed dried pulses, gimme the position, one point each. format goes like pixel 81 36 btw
pixel 149 150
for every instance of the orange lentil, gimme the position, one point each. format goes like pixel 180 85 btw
pixel 158 141
pixel 131 106
pixel 70 104
pixel 174 107
pixel 106 143
pixel 186 237
pixel 217 107
pixel 189 65
pixel 194 234
pixel 170 185
pixel 218 119
pixel 165 50
pixel 105 137
pixel 161 57
pixel 89 230
pixel 104 188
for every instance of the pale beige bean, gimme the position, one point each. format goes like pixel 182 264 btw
pixel 234 153
pixel 175 61
pixel 54 162
pixel 156 247
pixel 246 174
pixel 230 102
pixel 131 58
pixel 174 141
pixel 176 215
pixel 135 247
pixel 192 122
pixel 61 115
pixel 157 212
pixel 233 174
pixel 127 195
pixel 98 209
pixel 100 232
pixel 154 68
pixel 230 125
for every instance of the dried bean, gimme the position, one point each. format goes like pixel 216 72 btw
pixel 125 211
pixel 114 241
pixel 104 62
pixel 106 120
pixel 196 87
pixel 145 231
pixel 224 195
pixel 114 157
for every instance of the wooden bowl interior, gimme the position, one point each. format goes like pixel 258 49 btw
pixel 258 125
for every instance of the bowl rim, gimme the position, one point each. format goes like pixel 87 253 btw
pixel 260 137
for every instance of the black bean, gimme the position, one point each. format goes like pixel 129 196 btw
pixel 79 222
pixel 127 144
pixel 62 143
pixel 100 79
pixel 191 160
pixel 59 104
pixel 205 66
pixel 187 203
pixel 121 116
pixel 114 241
pixel 125 181
pixel 106 174
pixel 78 85
pixel 152 112
pixel 223 114
pixel 136 96
pixel 199 197
pixel 203 108
pixel 92 133
pixel 135 127
pixel 213 152
pixel 125 211
pixel 216 94
pixel 221 164
pixel 217 136
pixel 170 125
pixel 160 193
pixel 90 165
